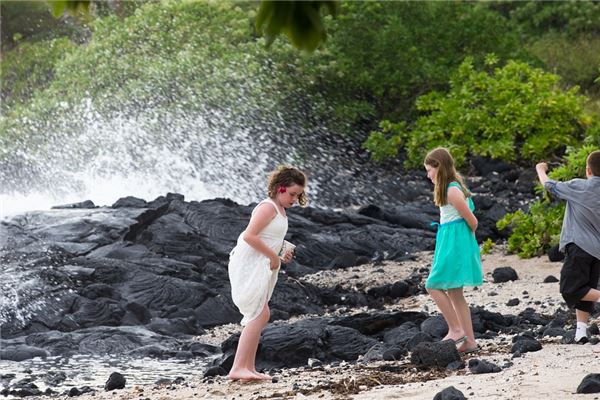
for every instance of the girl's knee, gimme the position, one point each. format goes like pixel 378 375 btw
pixel 456 293
pixel 432 291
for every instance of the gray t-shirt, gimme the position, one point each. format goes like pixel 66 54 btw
pixel 581 224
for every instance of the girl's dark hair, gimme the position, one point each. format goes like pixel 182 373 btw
pixel 286 175
pixel 441 159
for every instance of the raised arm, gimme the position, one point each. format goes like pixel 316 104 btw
pixel 456 198
pixel 542 169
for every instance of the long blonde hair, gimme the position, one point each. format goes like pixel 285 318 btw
pixel 441 159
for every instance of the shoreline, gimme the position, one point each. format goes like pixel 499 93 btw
pixel 552 373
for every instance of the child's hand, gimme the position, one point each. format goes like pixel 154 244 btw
pixel 275 263
pixel 474 227
pixel 287 257
pixel 542 167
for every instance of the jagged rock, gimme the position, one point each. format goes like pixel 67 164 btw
pixel 436 354
pixel 477 366
pixel 436 327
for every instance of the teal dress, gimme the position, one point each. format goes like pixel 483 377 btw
pixel 456 260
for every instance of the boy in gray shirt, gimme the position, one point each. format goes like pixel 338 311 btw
pixel 579 239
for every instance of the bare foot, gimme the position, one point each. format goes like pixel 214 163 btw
pixel 468 346
pixel 243 375
pixel 454 335
pixel 457 337
pixel 263 377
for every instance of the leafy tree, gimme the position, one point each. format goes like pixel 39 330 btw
pixel 576 59
pixel 30 65
pixel 382 55
pixel 29 21
pixel 567 18
pixel 300 21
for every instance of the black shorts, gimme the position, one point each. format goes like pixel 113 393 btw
pixel 579 274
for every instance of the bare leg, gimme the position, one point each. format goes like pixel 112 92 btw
pixel 592 295
pixel 464 317
pixel 582 316
pixel 264 315
pixel 442 300
pixel 245 355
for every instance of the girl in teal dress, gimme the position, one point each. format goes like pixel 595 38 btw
pixel 456 260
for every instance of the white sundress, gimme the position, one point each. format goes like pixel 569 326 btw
pixel 252 280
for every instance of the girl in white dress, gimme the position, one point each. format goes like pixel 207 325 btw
pixel 254 263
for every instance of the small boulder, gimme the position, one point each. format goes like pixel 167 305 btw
pixel 550 279
pixel 589 384
pixel 436 354
pixel 504 274
pixel 450 393
pixel 482 366
pixel 115 381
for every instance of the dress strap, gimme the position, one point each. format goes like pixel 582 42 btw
pixel 268 200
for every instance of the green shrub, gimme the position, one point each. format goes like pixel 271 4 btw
pixel 533 232
pixel 515 113
pixel 487 246
pixel 173 54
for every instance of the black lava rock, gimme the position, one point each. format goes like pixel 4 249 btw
pixel 450 393
pixel 513 302
pixel 589 384
pixel 436 354
pixel 525 345
pixel 482 366
pixel 504 274
pixel 115 381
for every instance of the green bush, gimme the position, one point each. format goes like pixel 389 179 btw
pixel 174 50
pixel 515 113
pixel 487 246
pixel 533 232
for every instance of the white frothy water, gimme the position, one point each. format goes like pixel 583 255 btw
pixel 202 155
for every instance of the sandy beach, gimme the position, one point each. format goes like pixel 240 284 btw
pixel 552 373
